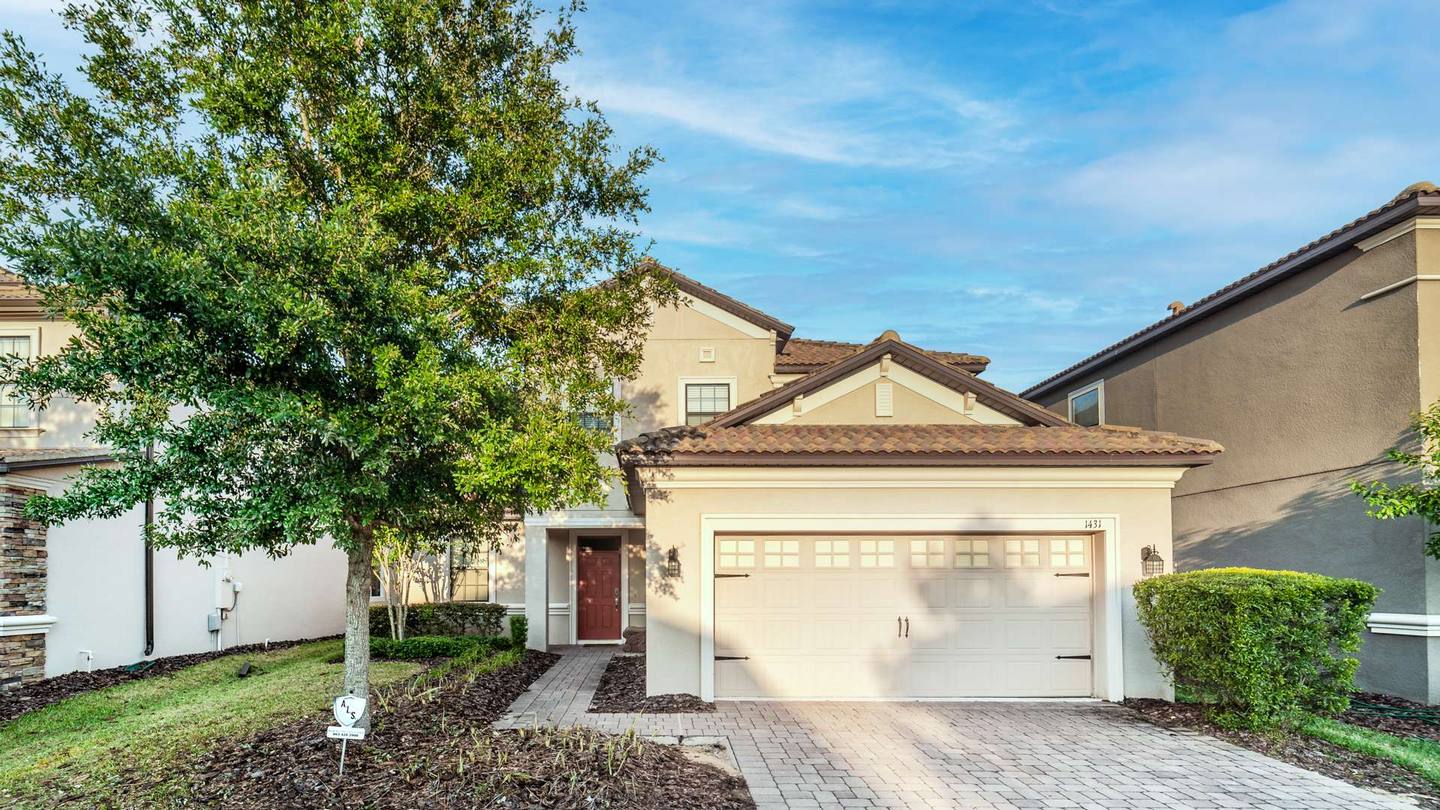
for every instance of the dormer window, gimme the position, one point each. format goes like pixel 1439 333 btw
pixel 1087 405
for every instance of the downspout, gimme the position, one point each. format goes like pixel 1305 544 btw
pixel 149 565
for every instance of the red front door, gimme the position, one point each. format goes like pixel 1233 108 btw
pixel 598 591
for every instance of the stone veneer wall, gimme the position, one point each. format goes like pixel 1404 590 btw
pixel 22 587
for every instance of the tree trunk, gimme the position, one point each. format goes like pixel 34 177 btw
pixel 357 619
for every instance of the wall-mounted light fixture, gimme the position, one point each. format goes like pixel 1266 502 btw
pixel 672 562
pixel 1151 563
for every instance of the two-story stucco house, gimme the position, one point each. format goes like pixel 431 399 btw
pixel 89 594
pixel 1307 370
pixel 808 519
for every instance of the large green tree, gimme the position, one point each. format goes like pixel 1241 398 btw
pixel 346 264
pixel 1419 497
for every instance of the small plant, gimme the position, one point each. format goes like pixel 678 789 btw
pixel 1263 649
pixel 519 630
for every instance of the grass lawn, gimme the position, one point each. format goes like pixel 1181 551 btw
pixel 1419 755
pixel 81 748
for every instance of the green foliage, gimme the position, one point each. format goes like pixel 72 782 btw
pixel 344 264
pixel 442 619
pixel 519 630
pixel 1263 648
pixel 1417 498
pixel 426 647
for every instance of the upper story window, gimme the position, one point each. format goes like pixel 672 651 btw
pixel 1087 405
pixel 14 412
pixel 594 421
pixel 705 401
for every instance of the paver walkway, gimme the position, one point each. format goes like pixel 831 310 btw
pixel 1006 754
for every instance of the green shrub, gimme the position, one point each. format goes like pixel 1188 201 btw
pixel 519 629
pixel 425 647
pixel 442 619
pixel 1263 648
pixel 422 647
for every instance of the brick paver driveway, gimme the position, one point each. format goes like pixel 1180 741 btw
pixel 970 754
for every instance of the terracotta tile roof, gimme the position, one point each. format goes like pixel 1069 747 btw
pixel 804 355
pixel 1420 193
pixel 12 286
pixel 961 445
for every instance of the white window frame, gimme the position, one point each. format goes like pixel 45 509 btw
pixel 732 382
pixel 1098 385
pixel 33 333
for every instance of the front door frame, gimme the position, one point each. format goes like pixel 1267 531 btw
pixel 1108 674
pixel 573 560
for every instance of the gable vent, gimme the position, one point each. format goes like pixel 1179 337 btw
pixel 884 399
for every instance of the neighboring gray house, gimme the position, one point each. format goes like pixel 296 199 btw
pixel 1307 371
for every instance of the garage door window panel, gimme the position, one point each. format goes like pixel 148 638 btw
pixel 1067 552
pixel 737 554
pixel 1022 553
pixel 831 554
pixel 782 553
pixel 971 553
pixel 927 553
pixel 877 553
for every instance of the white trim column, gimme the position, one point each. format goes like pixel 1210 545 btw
pixel 537 586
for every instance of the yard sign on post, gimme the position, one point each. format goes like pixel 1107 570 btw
pixel 348 711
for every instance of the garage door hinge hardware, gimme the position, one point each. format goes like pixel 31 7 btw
pixel 732 658
pixel 730 576
pixel 1074 657
pixel 1086 574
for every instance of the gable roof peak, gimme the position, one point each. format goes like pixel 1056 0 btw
pixel 889 334
pixel 734 306
pixel 1421 187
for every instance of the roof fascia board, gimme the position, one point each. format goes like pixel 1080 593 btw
pixel 734 306
pixel 925 460
pixel 1320 252
pixel 42 463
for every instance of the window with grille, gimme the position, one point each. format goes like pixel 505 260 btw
pixel 971 553
pixel 470 576
pixel 737 553
pixel 596 421
pixel 1022 553
pixel 927 553
pixel 832 553
pixel 14 412
pixel 877 553
pixel 1067 552
pixel 782 553
pixel 705 401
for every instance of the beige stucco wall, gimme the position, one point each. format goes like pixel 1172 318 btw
pixel 672 351
pixel 673 518
pixel 1306 386
pixel 858 408
pixel 64 422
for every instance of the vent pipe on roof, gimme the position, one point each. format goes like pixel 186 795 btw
pixel 1176 307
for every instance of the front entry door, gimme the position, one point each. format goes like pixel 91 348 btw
pixel 598 591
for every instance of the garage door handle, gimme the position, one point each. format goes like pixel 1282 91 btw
pixel 898 627
pixel 731 576
pixel 907 627
pixel 1073 657
pixel 1073 575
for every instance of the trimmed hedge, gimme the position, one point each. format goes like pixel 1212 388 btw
pixel 426 647
pixel 1262 648
pixel 519 629
pixel 442 619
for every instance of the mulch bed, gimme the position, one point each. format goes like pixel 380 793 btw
pixel 28 698
pixel 434 747
pixel 1399 726
pixel 1297 749
pixel 622 689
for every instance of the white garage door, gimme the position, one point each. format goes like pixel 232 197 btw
pixel 896 617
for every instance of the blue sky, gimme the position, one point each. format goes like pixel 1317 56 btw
pixel 1026 180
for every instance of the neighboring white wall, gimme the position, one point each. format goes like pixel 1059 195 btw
pixel 95 586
